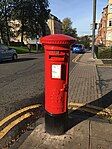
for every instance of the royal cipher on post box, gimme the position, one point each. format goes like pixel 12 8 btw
pixel 57 55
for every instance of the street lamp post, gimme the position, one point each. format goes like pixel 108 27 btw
pixel 94 27
pixel 37 46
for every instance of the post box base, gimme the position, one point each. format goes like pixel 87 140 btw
pixel 56 124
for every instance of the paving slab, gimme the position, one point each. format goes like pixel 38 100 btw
pixel 100 144
pixel 105 74
pixel 77 136
pixel 102 131
pixel 83 86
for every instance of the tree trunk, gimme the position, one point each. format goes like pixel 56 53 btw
pixel 22 33
pixel 43 29
pixel 7 28
pixel 22 25
pixel 8 32
pixel 1 35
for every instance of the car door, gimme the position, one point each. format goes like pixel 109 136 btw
pixel 5 52
pixel 0 54
pixel 9 53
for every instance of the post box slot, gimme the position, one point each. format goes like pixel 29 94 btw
pixel 57 57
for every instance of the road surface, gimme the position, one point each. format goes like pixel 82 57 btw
pixel 22 82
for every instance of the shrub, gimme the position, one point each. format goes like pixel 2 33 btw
pixel 105 53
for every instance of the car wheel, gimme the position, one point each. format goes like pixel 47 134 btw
pixel 14 57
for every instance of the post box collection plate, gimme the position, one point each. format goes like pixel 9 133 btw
pixel 56 71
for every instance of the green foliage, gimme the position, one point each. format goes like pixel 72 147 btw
pixel 105 53
pixel 32 14
pixel 24 49
pixel 43 14
pixel 85 40
pixel 6 7
pixel 66 24
pixel 20 49
pixel 67 28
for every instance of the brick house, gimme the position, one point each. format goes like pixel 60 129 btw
pixel 104 36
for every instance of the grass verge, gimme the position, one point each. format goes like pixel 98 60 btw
pixel 24 49
pixel 105 53
pixel 21 49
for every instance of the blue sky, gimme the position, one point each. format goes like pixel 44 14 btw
pixel 80 12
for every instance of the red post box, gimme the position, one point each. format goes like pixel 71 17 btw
pixel 57 54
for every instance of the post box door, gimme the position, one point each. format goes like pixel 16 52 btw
pixel 57 89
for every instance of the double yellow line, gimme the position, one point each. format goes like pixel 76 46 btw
pixel 18 120
pixel 4 131
pixel 71 106
pixel 102 112
pixel 76 58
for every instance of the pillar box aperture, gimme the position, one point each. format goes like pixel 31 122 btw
pixel 57 55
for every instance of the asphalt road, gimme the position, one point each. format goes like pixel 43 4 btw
pixel 22 82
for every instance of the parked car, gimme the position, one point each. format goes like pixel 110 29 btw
pixel 78 48
pixel 7 53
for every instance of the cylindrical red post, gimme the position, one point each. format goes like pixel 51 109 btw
pixel 57 54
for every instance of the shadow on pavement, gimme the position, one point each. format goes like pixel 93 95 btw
pixel 23 126
pixel 12 107
pixel 18 60
pixel 77 116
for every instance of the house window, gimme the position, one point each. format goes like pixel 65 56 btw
pixel 110 8
pixel 110 22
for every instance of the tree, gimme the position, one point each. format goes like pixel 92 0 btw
pixel 85 40
pixel 22 12
pixel 43 15
pixel 33 15
pixel 67 28
pixel 6 7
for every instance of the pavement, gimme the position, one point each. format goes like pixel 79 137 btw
pixel 85 129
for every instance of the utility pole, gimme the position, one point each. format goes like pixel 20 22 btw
pixel 94 27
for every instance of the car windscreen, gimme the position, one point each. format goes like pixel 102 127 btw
pixel 78 46
pixel 3 47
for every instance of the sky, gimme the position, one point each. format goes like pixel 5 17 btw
pixel 80 12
